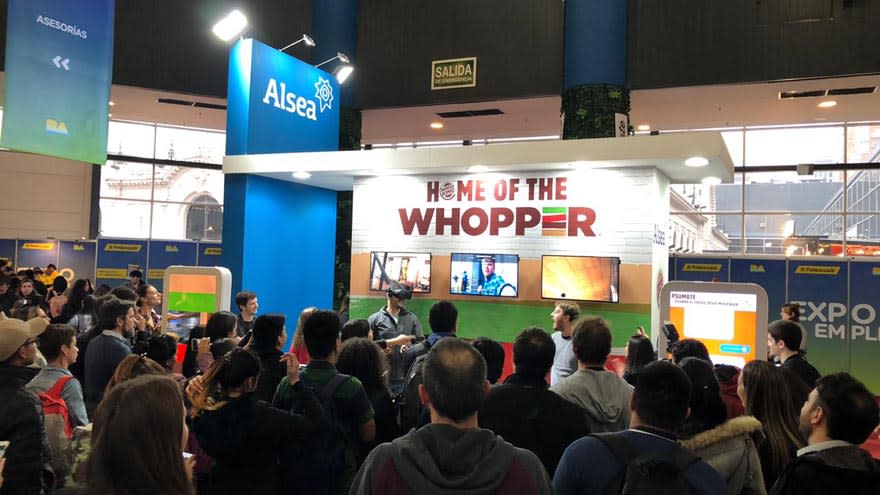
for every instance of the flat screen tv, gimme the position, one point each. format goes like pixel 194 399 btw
pixel 580 278
pixel 412 270
pixel 484 274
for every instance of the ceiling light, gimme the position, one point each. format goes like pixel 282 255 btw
pixel 478 169
pixel 437 125
pixel 827 104
pixel 342 72
pixel 710 181
pixel 644 127
pixel 230 26
pixel 339 55
pixel 111 103
pixel 696 161
pixel 301 175
pixel 109 114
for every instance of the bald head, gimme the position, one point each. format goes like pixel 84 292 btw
pixel 454 376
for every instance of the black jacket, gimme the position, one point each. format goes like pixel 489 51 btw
pixel 798 365
pixel 528 415
pixel 247 437
pixel 845 470
pixel 28 470
pixel 273 371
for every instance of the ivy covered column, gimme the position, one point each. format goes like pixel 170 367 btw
pixel 594 84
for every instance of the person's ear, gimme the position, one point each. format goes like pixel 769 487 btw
pixel 487 387
pixel 423 395
pixel 688 413
pixel 817 415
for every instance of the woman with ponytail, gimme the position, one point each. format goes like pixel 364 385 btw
pixel 247 438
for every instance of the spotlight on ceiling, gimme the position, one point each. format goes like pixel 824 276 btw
pixel 696 161
pixel 230 26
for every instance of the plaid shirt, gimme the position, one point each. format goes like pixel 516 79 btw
pixel 492 286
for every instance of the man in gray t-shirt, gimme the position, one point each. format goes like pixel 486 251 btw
pixel 564 363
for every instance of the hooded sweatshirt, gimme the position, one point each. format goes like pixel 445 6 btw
pixel 443 459
pixel 602 394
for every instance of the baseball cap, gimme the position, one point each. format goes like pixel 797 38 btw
pixel 14 333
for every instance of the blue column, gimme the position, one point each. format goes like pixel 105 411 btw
pixel 595 42
pixel 334 28
pixel 279 240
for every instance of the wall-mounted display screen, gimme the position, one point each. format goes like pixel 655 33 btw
pixel 580 278
pixel 412 270
pixel 494 275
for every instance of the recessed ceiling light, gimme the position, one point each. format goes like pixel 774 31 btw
pixel 644 127
pixel 437 125
pixel 710 181
pixel 109 114
pixel 696 161
pixel 301 175
pixel 111 103
pixel 478 169
pixel 827 104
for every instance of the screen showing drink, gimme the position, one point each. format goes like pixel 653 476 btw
pixel 412 270
pixel 580 278
pixel 725 322
pixel 493 275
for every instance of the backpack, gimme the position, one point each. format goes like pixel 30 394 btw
pixel 646 472
pixel 321 466
pixel 59 429
pixel 408 407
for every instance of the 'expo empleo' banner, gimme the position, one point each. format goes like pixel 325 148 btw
pixel 117 257
pixel 59 58
pixel 864 322
pixel 820 288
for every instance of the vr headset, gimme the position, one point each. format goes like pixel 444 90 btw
pixel 402 292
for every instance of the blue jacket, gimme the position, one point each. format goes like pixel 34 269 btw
pixel 588 466
pixel 104 354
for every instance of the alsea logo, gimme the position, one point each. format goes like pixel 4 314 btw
pixel 278 96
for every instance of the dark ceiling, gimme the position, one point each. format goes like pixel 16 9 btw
pixel 168 44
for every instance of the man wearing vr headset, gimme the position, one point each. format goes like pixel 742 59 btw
pixel 392 321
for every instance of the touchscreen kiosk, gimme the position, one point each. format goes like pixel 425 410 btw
pixel 192 294
pixel 729 318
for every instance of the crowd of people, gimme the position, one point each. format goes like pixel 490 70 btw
pixel 93 401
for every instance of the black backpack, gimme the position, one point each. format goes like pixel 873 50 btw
pixel 648 473
pixel 408 407
pixel 322 463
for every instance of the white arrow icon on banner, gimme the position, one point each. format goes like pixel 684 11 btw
pixel 61 63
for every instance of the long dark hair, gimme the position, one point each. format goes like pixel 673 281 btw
pixel 75 297
pixel 136 441
pixel 639 352
pixel 225 375
pixel 707 408
pixel 220 325
pixel 363 359
pixel 768 399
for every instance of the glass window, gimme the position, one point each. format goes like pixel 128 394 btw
pixel 863 143
pixel 794 234
pixel 190 145
pixel 697 233
pixel 793 146
pixel 734 142
pixel 788 191
pixel 863 235
pixel 863 190
pixel 130 139
pixel 202 220
pixel 184 184
pixel 121 218
pixel 127 180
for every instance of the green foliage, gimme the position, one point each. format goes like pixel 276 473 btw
pixel 342 275
pixel 589 110
pixel 349 129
